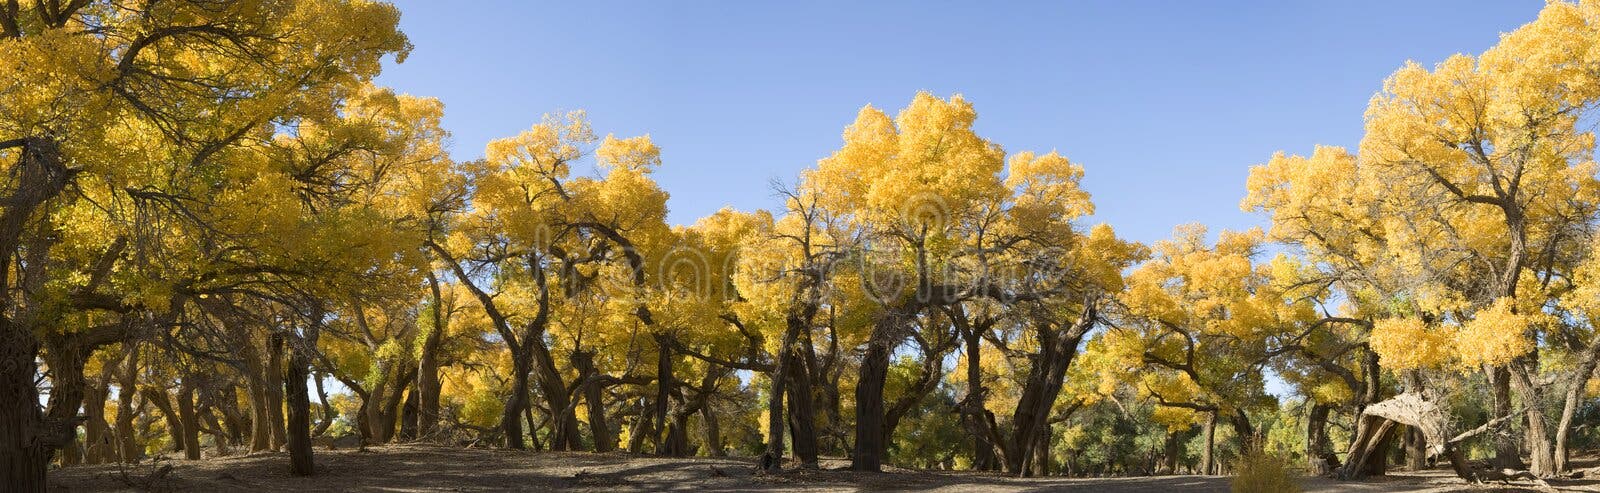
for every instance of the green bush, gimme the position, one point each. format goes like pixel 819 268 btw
pixel 1262 472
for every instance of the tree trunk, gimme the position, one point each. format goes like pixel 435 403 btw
pixel 23 456
pixel 982 451
pixel 713 432
pixel 1574 394
pixel 1046 375
pixel 802 417
pixel 1318 447
pixel 127 387
pixel 328 412
pixel 274 387
pixel 408 416
pixel 190 419
pixel 26 436
pixel 676 441
pixel 260 424
pixel 163 403
pixel 640 428
pixel 869 403
pixel 1207 456
pixel 428 384
pixel 593 399
pixel 511 420
pixel 99 447
pixel 1539 445
pixel 299 418
pixel 1372 434
pixel 1507 454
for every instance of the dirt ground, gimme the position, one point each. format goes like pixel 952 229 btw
pixel 416 468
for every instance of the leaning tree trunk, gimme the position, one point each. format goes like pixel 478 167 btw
pixel 1576 384
pixel 593 399
pixel 1046 377
pixel 1539 445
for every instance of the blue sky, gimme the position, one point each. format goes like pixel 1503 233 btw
pixel 1166 104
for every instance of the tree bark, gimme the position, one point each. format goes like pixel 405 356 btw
pixel 1046 376
pixel 1207 456
pixel 593 399
pixel 869 400
pixel 982 451
pixel 1539 445
pixel 1576 383
pixel 299 418
pixel 1507 454
pixel 190 419
pixel 428 384
pixel 127 388
pixel 408 416
pixel 713 432
pixel 26 436
pixel 802 416
pixel 274 385
pixel 1318 448
pixel 511 420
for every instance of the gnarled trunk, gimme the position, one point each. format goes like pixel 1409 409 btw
pixel 299 419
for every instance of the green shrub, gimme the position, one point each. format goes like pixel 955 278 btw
pixel 1262 472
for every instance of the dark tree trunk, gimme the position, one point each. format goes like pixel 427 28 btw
pixel 408 416
pixel 163 403
pixel 26 436
pixel 1243 431
pixel 802 416
pixel 299 419
pixel 328 412
pixel 1576 384
pixel 511 420
pixel 640 428
pixel 1208 454
pixel 275 390
pixel 127 388
pixel 1046 375
pixel 676 440
pixel 1318 447
pixel 713 431
pixel 428 384
pixel 1507 454
pixel 593 398
pixel 99 446
pixel 983 451
pixel 23 459
pixel 191 419
pixel 869 403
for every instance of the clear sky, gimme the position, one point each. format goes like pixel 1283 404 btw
pixel 1166 104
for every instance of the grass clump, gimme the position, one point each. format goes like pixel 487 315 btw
pixel 1260 471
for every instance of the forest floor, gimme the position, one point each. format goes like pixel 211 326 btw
pixel 418 468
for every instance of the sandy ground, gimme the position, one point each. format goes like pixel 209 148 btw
pixel 415 468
